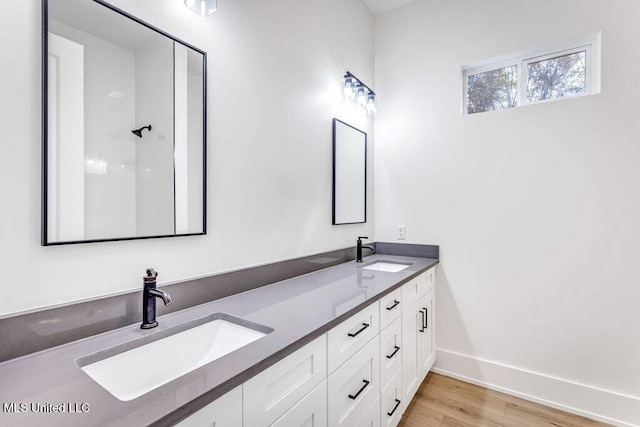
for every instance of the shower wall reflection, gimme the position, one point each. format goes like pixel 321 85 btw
pixel 107 76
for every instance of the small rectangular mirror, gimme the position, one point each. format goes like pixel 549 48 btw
pixel 124 127
pixel 349 174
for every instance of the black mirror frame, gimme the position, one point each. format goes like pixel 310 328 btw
pixel 44 118
pixel 333 204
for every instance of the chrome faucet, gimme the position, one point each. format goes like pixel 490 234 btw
pixel 360 246
pixel 149 295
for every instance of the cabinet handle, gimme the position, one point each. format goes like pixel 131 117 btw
pixel 394 408
pixel 394 352
pixel 395 304
pixel 355 396
pixel 426 317
pixel 421 323
pixel 364 326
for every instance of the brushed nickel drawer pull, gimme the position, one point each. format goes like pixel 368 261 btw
pixel 355 396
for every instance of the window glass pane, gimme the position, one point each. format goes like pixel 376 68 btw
pixel 557 77
pixel 492 90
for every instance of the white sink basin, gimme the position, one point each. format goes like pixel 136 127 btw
pixel 388 266
pixel 136 368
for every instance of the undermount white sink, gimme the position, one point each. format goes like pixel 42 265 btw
pixel 136 368
pixel 388 266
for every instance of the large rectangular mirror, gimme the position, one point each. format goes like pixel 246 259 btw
pixel 124 127
pixel 349 174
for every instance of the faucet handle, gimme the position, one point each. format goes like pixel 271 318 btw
pixel 150 278
pixel 362 237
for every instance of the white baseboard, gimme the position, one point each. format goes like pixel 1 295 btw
pixel 598 404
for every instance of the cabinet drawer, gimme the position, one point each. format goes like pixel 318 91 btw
pixel 390 351
pixel 391 402
pixel 411 292
pixel 347 338
pixel 355 386
pixel 225 411
pixel 428 280
pixel 371 418
pixel 390 308
pixel 309 412
pixel 270 394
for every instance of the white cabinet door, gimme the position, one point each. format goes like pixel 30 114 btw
pixel 355 386
pixel 391 402
pixel 426 339
pixel 344 340
pixel 226 411
pixel 418 344
pixel 271 393
pixel 371 418
pixel 411 325
pixel 309 412
pixel 390 352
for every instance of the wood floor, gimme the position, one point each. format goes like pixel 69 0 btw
pixel 446 402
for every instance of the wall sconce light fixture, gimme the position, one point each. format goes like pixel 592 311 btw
pixel 202 7
pixel 357 93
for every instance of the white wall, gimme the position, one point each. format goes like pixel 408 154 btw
pixel 535 209
pixel 274 68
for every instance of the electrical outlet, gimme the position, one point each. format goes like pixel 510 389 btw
pixel 402 232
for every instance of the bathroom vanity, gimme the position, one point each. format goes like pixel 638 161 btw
pixel 346 346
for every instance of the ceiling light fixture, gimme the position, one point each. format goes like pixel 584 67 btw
pixel 354 91
pixel 202 7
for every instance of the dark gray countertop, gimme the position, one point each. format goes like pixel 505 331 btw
pixel 298 309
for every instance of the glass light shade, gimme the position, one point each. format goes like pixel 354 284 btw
pixel 348 88
pixel 371 105
pixel 202 7
pixel 361 98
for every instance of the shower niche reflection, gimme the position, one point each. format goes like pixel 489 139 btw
pixel 124 127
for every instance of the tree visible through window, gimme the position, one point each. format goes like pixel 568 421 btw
pixel 560 73
pixel 492 90
pixel 557 77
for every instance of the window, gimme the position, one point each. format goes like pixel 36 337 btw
pixel 532 78
pixel 557 75
pixel 492 90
